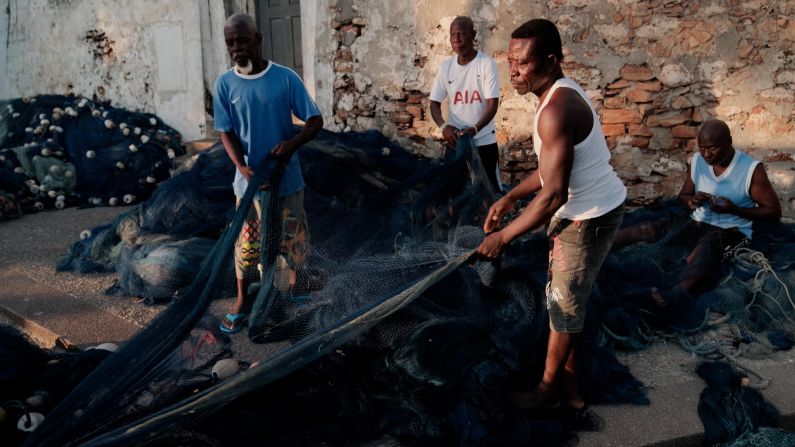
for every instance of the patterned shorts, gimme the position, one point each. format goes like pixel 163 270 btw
pixel 294 240
pixel 577 250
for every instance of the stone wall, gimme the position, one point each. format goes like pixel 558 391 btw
pixel 655 70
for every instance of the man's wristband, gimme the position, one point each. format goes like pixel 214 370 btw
pixel 476 129
pixel 443 126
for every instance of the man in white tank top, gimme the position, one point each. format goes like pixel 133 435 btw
pixel 579 194
pixel 726 191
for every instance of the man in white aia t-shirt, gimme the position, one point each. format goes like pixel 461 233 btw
pixel 470 83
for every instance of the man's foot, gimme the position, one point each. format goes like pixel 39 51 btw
pixel 234 323
pixel 570 392
pixel 540 396
pixel 657 297
pixel 674 299
pixel 575 403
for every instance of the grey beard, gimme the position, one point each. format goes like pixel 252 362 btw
pixel 245 69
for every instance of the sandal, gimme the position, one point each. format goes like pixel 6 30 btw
pixel 233 323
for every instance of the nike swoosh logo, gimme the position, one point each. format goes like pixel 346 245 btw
pixel 450 82
pixel 235 100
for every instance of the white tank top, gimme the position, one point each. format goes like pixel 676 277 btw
pixel 594 187
pixel 734 183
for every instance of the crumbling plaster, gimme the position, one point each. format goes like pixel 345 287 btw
pixel 655 70
pixel 214 55
pixel 5 27
pixel 139 54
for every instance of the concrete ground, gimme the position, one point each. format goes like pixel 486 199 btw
pixel 71 310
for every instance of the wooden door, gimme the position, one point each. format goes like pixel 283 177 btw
pixel 280 25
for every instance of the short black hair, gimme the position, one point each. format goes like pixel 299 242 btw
pixel 546 35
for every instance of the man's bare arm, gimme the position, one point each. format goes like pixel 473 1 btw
pixel 505 205
pixel 436 112
pixel 529 185
pixel 284 150
pixel 688 194
pixel 449 133
pixel 768 207
pixel 491 110
pixel 556 160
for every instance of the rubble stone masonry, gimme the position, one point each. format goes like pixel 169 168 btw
pixel 655 69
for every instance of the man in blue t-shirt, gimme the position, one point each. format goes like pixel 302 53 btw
pixel 253 107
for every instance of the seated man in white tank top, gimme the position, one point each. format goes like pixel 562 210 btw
pixel 727 191
pixel 579 195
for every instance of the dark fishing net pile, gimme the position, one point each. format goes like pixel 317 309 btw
pixel 734 414
pixel 385 330
pixel 157 247
pixel 57 151
pixel 32 381
pixel 746 308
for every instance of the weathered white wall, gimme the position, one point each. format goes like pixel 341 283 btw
pixel 308 30
pixel 214 55
pixel 319 48
pixel 149 59
pixel 5 21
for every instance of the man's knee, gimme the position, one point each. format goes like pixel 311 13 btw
pixel 566 309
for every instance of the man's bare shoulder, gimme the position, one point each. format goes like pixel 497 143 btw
pixel 571 101
pixel 561 105
pixel 564 108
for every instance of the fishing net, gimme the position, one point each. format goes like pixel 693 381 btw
pixel 372 323
pixel 744 307
pixel 15 187
pixel 60 150
pixel 764 437
pixel 157 247
pixel 33 380
pixel 735 414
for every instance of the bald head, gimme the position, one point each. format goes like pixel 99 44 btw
pixel 715 142
pixel 715 130
pixel 465 23
pixel 243 20
pixel 462 38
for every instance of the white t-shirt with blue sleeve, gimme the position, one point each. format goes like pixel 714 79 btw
pixel 258 109
pixel 467 87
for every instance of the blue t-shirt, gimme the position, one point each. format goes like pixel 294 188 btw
pixel 258 109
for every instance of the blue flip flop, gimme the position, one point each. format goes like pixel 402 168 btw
pixel 237 320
